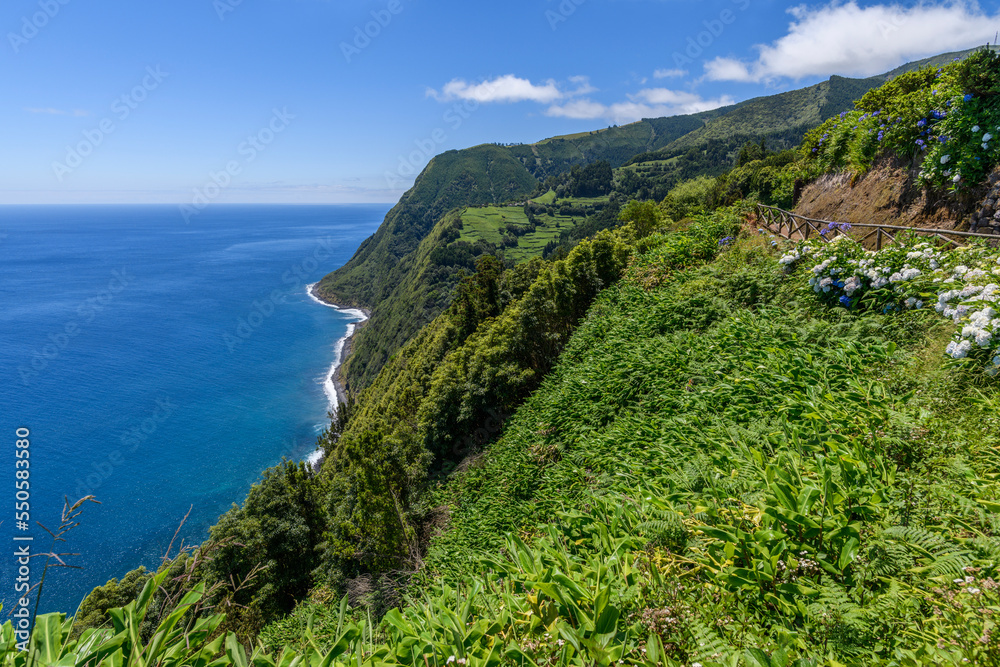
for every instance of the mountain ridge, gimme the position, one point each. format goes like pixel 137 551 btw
pixel 689 145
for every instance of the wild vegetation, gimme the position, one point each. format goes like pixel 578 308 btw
pixel 680 441
pixel 392 272
pixel 721 468
pixel 944 118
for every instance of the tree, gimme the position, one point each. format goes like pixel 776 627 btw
pixel 644 217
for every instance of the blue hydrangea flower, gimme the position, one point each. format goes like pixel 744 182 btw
pixel 845 301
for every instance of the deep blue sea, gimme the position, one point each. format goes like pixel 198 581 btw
pixel 159 366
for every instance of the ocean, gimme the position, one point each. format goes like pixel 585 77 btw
pixel 160 366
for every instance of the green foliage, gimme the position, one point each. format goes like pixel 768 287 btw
pixel 643 217
pixel 445 394
pixel 775 484
pixel 742 475
pixel 274 534
pixel 407 270
pixel 942 117
pixel 910 274
pixel 690 198
pixel 93 612
pixel 770 180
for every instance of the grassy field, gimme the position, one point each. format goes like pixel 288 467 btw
pixel 582 201
pixel 546 199
pixel 487 223
pixel 652 166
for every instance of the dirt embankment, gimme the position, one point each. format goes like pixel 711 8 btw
pixel 890 194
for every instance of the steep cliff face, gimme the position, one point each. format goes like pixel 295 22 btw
pixel 889 194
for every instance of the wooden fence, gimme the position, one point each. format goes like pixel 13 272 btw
pixel 798 227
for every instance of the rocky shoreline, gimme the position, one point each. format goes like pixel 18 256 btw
pixel 336 374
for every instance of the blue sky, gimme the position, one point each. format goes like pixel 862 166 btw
pixel 291 101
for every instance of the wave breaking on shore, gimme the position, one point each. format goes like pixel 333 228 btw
pixel 334 393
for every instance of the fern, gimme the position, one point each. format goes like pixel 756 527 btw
pixel 951 565
pixel 707 646
pixel 928 544
pixel 665 528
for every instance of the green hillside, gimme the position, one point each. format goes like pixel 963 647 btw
pixel 699 459
pixel 615 145
pixel 680 442
pixel 484 174
pixel 662 151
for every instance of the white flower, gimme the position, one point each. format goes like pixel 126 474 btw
pixel 945 158
pixel 956 178
pixel 973 591
pixel 958 350
pixel 975 128
pixel 987 136
pixel 986 146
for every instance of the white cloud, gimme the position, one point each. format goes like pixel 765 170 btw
pixel 510 88
pixel 568 99
pixel 647 103
pixel 578 109
pixel 843 38
pixel 728 69
pixel 669 73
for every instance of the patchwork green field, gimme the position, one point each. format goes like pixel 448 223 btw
pixel 548 198
pixel 487 224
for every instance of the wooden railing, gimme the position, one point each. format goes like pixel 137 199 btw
pixel 798 227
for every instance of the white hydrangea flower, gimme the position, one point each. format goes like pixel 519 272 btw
pixel 958 350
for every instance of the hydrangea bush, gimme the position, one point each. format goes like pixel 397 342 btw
pixel 960 284
pixel 944 117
